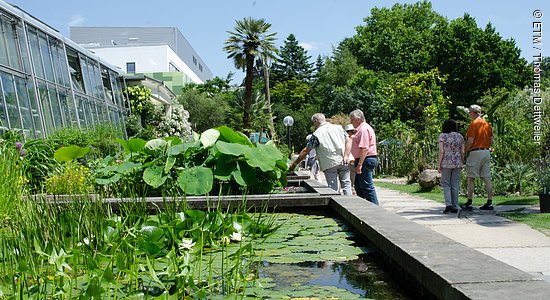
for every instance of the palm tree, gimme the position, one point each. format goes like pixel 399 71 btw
pixel 249 41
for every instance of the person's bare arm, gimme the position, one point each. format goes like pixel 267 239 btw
pixel 301 157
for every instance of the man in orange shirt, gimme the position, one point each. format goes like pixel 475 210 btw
pixel 478 164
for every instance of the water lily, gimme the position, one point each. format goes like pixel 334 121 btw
pixel 236 236
pixel 186 244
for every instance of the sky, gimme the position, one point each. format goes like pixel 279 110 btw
pixel 319 25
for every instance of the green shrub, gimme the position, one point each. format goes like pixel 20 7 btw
pixel 73 179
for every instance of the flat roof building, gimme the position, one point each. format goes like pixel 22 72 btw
pixel 159 52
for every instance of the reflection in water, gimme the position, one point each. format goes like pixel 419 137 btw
pixel 362 276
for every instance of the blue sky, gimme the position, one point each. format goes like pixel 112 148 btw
pixel 317 24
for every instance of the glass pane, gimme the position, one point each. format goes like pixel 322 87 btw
pixel 3 112
pixel 13 54
pixel 80 111
pixel 46 109
pixel 56 109
pixel 24 48
pixel 3 44
pixel 24 103
pixel 11 101
pixel 117 89
pixel 63 66
pixel 35 52
pixel 98 84
pixel 88 83
pixel 58 64
pixel 75 70
pixel 46 57
pixel 107 85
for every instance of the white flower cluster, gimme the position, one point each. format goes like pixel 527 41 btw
pixel 175 124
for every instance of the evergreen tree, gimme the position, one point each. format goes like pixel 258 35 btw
pixel 293 62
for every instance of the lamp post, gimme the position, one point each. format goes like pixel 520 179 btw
pixel 288 121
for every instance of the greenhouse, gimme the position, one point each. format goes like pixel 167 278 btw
pixel 48 82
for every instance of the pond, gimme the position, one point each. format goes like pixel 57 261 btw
pixel 82 249
pixel 318 256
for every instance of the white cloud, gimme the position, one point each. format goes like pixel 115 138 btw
pixel 309 46
pixel 77 20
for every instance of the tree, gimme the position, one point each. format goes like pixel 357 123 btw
pixel 249 40
pixel 397 39
pixel 293 62
pixel 205 111
pixel 476 60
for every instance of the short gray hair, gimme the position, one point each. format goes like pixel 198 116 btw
pixel 357 115
pixel 318 117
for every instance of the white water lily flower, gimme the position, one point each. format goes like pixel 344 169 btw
pixel 186 244
pixel 236 236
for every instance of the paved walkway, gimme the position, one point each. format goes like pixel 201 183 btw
pixel 513 243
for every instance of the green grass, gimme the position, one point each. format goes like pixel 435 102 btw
pixel 540 222
pixel 436 194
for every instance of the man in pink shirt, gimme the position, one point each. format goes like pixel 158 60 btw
pixel 363 149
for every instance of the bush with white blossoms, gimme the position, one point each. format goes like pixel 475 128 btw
pixel 175 124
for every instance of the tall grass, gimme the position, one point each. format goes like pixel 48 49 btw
pixel 78 247
pixel 11 179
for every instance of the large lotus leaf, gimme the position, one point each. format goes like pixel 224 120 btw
pixel 232 148
pixel 70 153
pixel 155 146
pixel 132 145
pixel 263 157
pixel 244 174
pixel 283 166
pixel 225 165
pixel 173 140
pixel 128 167
pixel 105 181
pixel 196 180
pixel 229 135
pixel 209 137
pixel 153 176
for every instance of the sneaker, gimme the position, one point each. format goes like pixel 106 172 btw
pixel 448 209
pixel 454 210
pixel 466 206
pixel 486 207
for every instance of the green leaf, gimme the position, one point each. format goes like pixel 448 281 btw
pixel 127 167
pixel 132 145
pixel 229 135
pixel 155 146
pixel 108 274
pixel 151 233
pixel 209 137
pixel 263 157
pixel 196 180
pixel 232 148
pixel 170 162
pixel 244 174
pixel 70 153
pixel 153 176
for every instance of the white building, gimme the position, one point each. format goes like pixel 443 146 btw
pixel 145 50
